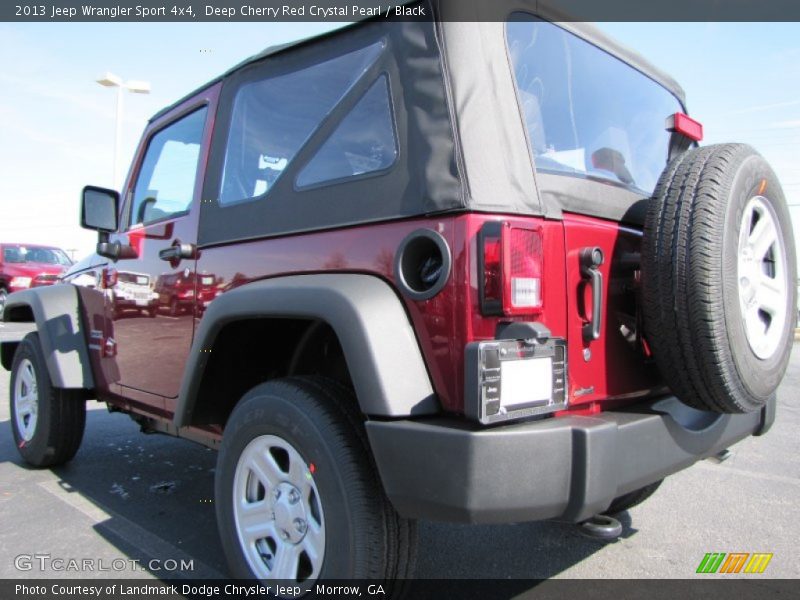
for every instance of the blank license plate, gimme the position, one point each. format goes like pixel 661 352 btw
pixel 526 381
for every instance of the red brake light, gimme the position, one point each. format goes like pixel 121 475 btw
pixel 524 278
pixel 685 125
pixel 492 272
pixel 510 260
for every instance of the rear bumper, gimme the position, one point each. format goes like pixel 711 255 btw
pixel 565 467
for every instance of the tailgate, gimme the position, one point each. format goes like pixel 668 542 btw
pixel 614 365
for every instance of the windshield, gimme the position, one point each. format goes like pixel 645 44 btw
pixel 588 113
pixel 34 254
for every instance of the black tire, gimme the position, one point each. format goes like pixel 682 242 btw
pixel 61 414
pixel 633 498
pixel 690 294
pixel 364 537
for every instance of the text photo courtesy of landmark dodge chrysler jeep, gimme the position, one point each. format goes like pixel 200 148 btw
pixel 432 261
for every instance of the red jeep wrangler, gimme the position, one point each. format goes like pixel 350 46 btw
pixel 470 271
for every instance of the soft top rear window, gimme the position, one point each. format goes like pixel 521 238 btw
pixel 588 113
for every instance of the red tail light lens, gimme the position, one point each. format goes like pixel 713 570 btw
pixel 510 264
pixel 524 280
pixel 490 261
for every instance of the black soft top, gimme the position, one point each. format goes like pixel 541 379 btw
pixel 456 117
pixel 459 10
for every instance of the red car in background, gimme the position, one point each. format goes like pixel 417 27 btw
pixel 24 266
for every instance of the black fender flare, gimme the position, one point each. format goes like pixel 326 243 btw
pixel 56 311
pixel 380 348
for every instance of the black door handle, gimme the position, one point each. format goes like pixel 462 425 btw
pixel 177 252
pixel 591 259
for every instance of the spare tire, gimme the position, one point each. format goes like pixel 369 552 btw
pixel 718 278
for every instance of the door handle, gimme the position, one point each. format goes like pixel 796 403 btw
pixel 591 259
pixel 177 252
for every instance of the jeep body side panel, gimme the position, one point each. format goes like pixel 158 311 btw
pixel 57 312
pixel 370 250
pixel 379 344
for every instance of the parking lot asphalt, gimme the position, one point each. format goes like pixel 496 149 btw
pixel 148 497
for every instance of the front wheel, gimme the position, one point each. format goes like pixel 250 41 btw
pixel 47 422
pixel 297 494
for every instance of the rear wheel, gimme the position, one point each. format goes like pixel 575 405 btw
pixel 718 279
pixel 297 495
pixel 47 422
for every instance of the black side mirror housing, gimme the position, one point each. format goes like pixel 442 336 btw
pixel 99 208
pixel 99 212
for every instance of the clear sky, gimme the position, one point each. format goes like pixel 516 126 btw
pixel 742 81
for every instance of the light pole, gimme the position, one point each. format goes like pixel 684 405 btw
pixel 137 87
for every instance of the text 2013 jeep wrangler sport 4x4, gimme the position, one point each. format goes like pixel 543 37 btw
pixel 476 271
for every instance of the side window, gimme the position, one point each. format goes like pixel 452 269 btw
pixel 273 118
pixel 364 142
pixel 165 183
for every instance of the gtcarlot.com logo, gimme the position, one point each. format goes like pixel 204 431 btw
pixel 48 562
pixel 734 562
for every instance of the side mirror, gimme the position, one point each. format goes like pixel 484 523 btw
pixel 99 209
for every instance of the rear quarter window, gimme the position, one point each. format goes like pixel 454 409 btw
pixel 363 143
pixel 273 118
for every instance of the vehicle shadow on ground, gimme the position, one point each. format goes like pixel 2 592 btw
pixel 155 496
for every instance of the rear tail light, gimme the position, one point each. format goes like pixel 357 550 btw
pixel 490 267
pixel 510 264
pixel 524 252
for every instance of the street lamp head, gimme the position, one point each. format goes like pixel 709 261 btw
pixel 109 80
pixel 138 87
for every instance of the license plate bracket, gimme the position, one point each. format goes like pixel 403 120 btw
pixel 513 379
